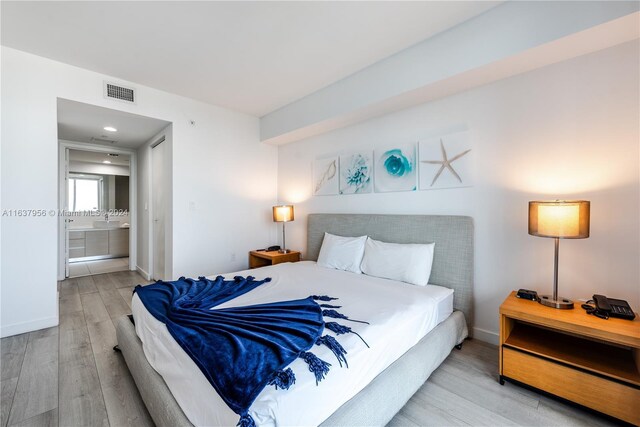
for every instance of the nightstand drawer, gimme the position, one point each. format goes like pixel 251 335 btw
pixel 259 259
pixel 572 384
pixel 288 257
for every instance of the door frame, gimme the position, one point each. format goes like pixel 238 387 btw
pixel 63 173
pixel 161 139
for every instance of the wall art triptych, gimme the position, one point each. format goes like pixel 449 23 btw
pixel 434 163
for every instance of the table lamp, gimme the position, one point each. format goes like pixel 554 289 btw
pixel 559 219
pixel 283 214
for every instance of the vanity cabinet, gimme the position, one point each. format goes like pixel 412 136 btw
pixel 119 242
pixel 96 243
pixel 99 243
pixel 76 244
pixel 76 235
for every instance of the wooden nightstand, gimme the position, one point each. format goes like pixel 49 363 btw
pixel 573 355
pixel 263 258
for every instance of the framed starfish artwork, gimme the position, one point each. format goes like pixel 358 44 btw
pixel 446 162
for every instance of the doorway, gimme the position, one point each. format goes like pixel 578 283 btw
pixel 97 182
pixel 97 188
pixel 99 224
pixel 157 210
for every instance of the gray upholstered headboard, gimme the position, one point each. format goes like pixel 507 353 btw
pixel 453 251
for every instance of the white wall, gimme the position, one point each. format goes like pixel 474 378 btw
pixel 569 130
pixel 218 164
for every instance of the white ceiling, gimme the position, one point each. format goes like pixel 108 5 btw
pixel 80 122
pixel 253 57
pixel 95 157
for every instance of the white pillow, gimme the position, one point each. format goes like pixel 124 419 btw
pixel 409 263
pixel 342 253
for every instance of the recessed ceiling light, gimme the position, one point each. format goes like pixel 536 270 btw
pixel 110 129
pixel 106 162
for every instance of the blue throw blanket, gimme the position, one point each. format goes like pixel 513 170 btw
pixel 241 350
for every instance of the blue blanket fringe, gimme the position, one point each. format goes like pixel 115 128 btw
pixel 336 315
pixel 330 306
pixel 335 347
pixel 246 421
pixel 339 329
pixel 316 365
pixel 283 379
pixel 322 298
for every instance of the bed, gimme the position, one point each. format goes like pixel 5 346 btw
pixel 377 397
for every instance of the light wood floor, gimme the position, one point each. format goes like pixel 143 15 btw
pixel 100 266
pixel 70 376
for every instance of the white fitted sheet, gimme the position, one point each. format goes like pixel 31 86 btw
pixel 399 314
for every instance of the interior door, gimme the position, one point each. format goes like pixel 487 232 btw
pixel 66 219
pixel 158 210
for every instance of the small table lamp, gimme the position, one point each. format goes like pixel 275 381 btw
pixel 283 214
pixel 559 219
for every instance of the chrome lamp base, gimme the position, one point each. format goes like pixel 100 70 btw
pixel 558 302
pixel 554 301
pixel 284 249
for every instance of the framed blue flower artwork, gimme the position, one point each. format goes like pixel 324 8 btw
pixel 356 173
pixel 395 168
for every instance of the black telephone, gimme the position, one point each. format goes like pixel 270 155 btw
pixel 613 307
pixel 269 249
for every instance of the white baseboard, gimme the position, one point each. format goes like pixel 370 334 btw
pixel 486 336
pixel 143 273
pixel 29 326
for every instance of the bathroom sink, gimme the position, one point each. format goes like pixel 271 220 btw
pixel 106 224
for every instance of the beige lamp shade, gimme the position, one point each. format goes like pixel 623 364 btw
pixel 283 213
pixel 564 219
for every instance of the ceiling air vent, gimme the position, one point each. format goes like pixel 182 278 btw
pixel 121 93
pixel 103 141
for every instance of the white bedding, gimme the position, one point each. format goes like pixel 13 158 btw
pixel 399 314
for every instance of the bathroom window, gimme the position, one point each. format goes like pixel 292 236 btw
pixel 85 193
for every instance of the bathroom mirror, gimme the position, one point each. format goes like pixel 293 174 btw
pixel 97 181
pixel 92 192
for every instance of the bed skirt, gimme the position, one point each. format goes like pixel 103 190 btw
pixel 375 405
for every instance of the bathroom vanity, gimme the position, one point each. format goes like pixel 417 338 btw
pixel 97 243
